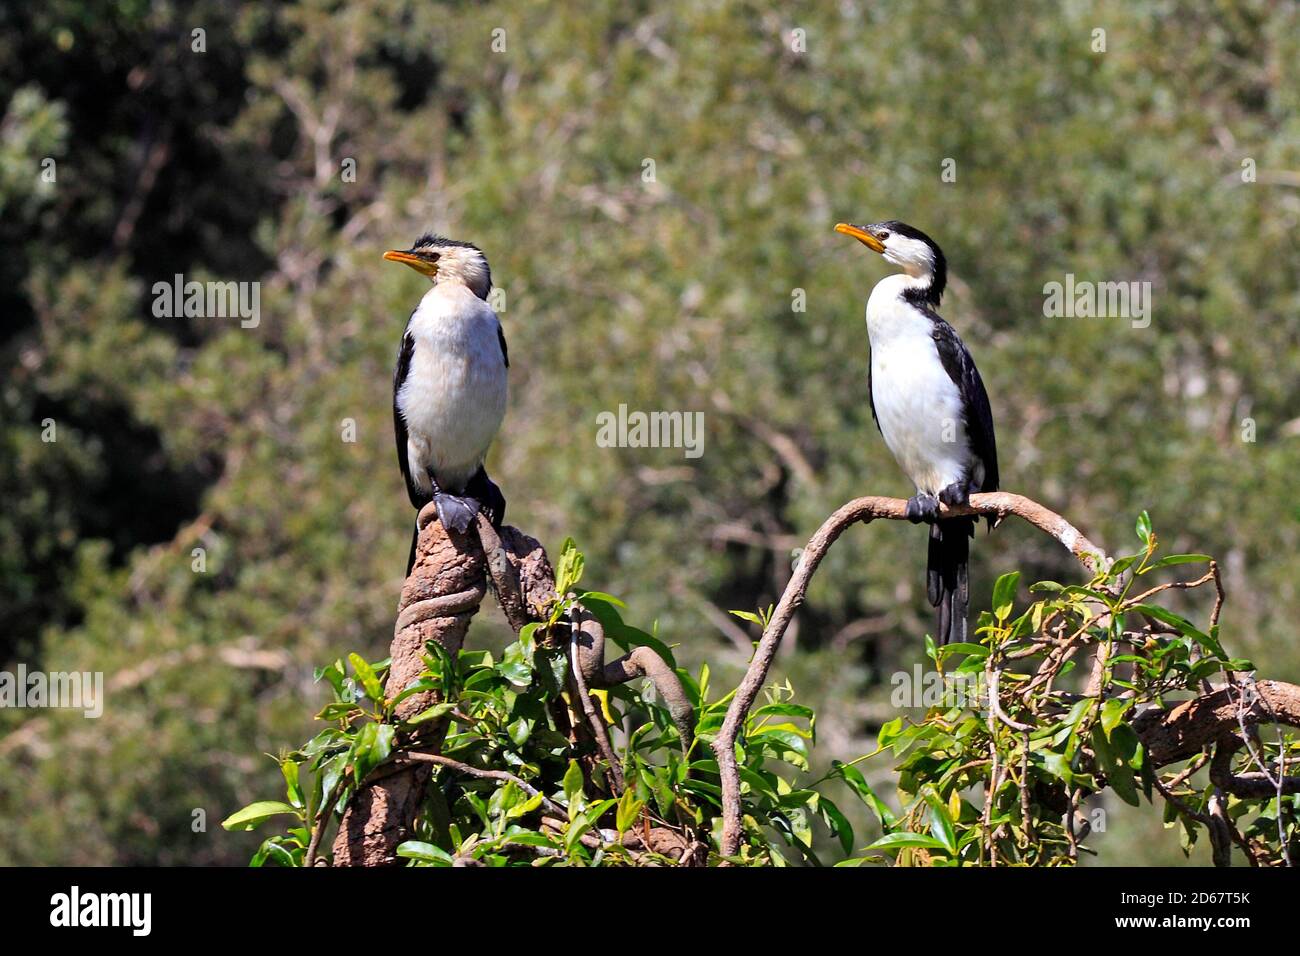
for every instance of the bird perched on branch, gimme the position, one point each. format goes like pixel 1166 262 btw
pixel 931 407
pixel 449 388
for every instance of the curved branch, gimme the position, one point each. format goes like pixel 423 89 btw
pixel 594 719
pixel 503 574
pixel 867 509
pixel 642 661
pixel 1250 784
pixel 1176 733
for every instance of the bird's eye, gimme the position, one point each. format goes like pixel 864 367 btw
pixel 882 235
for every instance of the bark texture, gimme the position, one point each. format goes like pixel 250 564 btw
pixel 439 599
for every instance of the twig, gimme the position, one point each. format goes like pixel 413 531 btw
pixel 321 822
pixel 1026 812
pixel 594 719
pixel 424 756
pixel 992 676
pixel 1206 821
pixel 1071 808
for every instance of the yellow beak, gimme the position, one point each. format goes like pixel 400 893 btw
pixel 864 237
pixel 418 263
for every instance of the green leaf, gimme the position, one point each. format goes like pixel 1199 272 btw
pixel 255 814
pixel 888 732
pixel 1173 559
pixel 418 686
pixel 1112 712
pixel 1119 776
pixel 629 809
pixel 941 825
pixel 514 667
pixel 585 596
pixel 524 807
pixel 272 849
pixel 531 838
pixel 784 710
pixel 789 745
pixel 366 674
pixel 572 784
pixel 800 826
pixel 289 769
pixel 364 746
pixel 1004 594
pixel 426 852
pixel 1123 564
pixel 333 674
pixel 431 713
pixel 899 841
pixel 1058 766
pixel 838 823
pixel 568 571
pixel 337 710
pixel 1144 528
pixel 573 835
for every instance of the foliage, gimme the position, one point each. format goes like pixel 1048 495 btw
pixel 979 783
pixel 1044 748
pixel 553 809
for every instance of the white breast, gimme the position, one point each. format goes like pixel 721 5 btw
pixel 918 406
pixel 454 396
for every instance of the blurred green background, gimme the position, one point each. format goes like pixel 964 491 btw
pixel 526 128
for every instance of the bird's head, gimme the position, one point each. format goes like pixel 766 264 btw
pixel 447 260
pixel 906 247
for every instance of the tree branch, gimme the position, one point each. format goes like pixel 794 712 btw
pixel 439 597
pixel 866 509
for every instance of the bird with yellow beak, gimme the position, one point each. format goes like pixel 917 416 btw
pixel 930 405
pixel 449 387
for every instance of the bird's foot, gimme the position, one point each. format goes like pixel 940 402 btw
pixel 956 495
pixel 485 490
pixel 922 507
pixel 455 513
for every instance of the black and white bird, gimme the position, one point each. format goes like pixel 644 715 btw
pixel 449 388
pixel 931 407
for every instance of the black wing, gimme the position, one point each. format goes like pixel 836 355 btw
pixel 871 399
pixel 961 369
pixel 505 353
pixel 404 353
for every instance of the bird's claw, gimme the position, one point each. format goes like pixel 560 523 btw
pixel 485 490
pixel 956 495
pixel 455 513
pixel 922 507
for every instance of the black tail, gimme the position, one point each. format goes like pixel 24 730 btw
pixel 948 578
pixel 415 537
